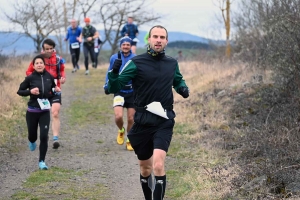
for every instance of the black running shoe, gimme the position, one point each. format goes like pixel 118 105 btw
pixel 56 144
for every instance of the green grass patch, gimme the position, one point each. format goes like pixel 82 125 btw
pixel 99 141
pixel 188 165
pixel 13 127
pixel 97 109
pixel 63 183
pixel 182 129
pixel 91 104
pixel 178 187
pixel 25 195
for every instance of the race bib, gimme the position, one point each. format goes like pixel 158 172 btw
pixel 96 50
pixel 118 101
pixel 75 45
pixel 44 104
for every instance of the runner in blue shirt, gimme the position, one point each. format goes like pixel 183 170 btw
pixel 123 98
pixel 72 35
pixel 131 30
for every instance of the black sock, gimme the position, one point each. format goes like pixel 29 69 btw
pixel 160 187
pixel 146 190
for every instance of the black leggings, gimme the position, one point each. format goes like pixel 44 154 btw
pixel 96 57
pixel 33 120
pixel 88 49
pixel 75 53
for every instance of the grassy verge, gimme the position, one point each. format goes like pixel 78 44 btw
pixel 198 156
pixel 12 107
pixel 191 166
pixel 90 104
pixel 62 183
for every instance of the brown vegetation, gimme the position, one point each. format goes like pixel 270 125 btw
pixel 12 72
pixel 237 137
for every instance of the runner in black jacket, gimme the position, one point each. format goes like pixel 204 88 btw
pixel 39 85
pixel 153 75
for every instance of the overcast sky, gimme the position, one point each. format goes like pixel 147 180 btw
pixel 193 16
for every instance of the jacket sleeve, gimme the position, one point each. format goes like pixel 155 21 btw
pixel 53 84
pixel 123 31
pixel 178 79
pixel 118 81
pixel 29 69
pixel 111 63
pixel 24 87
pixel 62 67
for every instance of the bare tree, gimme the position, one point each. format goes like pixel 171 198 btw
pixel 34 21
pixel 86 6
pixel 114 13
pixel 224 6
pixel 60 12
pixel 74 8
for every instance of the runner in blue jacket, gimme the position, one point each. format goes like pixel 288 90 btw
pixel 72 35
pixel 123 98
pixel 131 30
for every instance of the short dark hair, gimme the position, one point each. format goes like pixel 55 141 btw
pixel 49 42
pixel 158 26
pixel 40 56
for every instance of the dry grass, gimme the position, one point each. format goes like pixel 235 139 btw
pixel 202 121
pixel 12 73
pixel 205 80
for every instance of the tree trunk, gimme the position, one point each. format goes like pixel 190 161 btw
pixel 227 24
pixel 65 24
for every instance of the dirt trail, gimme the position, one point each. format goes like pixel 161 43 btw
pixel 106 162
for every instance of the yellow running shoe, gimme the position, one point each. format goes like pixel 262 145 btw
pixel 120 138
pixel 128 145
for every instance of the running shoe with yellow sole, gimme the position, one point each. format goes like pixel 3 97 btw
pixel 120 138
pixel 128 145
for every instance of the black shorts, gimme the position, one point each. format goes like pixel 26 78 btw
pixel 144 139
pixel 128 98
pixel 133 43
pixel 55 99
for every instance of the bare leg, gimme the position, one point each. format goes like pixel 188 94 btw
pixel 130 115
pixel 145 177
pixel 55 118
pixel 119 117
pixel 159 157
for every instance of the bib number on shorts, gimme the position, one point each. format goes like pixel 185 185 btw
pixel 44 104
pixel 96 49
pixel 119 101
pixel 75 45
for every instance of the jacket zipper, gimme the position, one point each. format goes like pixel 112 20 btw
pixel 42 85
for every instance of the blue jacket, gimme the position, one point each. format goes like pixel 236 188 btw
pixel 72 34
pixel 124 61
pixel 130 29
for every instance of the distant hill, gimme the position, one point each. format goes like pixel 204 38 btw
pixel 25 44
pixel 189 45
